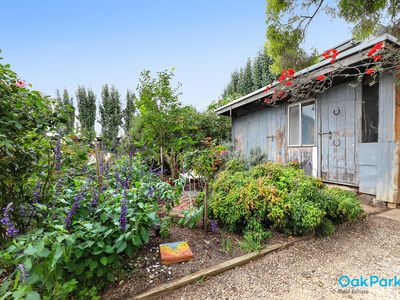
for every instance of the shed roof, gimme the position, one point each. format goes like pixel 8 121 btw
pixel 349 50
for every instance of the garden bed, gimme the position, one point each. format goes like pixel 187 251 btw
pixel 149 272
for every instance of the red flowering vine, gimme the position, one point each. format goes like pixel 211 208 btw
pixel 286 75
pixel 375 48
pixel 320 77
pixel 330 54
pixel 369 71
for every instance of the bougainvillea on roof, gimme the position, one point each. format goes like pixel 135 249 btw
pixel 379 59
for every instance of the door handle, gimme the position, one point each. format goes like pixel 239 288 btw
pixel 272 137
pixel 325 133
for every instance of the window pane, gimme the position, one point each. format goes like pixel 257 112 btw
pixel 308 124
pixel 294 125
pixel 370 112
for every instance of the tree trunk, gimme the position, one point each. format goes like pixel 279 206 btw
pixel 205 217
pixel 162 162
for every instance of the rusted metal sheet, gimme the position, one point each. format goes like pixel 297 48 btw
pixel 337 135
pixel 388 166
pixel 262 129
pixel 304 156
pixel 368 156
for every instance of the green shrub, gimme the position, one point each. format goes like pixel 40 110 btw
pixel 165 228
pixel 326 228
pixel 254 235
pixel 278 196
pixel 192 217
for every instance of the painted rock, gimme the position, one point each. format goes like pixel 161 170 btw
pixel 175 252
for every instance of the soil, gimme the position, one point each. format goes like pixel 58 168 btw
pixel 207 251
pixel 310 269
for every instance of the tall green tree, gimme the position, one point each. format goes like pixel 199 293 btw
pixel 164 119
pixel 110 114
pixel 64 107
pixel 129 111
pixel 248 77
pixel 288 21
pixel 86 101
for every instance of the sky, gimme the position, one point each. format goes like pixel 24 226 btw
pixel 66 43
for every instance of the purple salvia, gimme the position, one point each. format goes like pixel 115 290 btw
pixel 11 230
pixel 151 192
pixel 214 226
pixel 57 154
pixel 117 179
pixel 124 208
pixel 36 193
pixel 95 199
pixel 72 211
pixel 23 272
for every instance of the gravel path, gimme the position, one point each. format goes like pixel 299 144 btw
pixel 310 269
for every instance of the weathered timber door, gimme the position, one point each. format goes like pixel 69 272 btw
pixel 337 135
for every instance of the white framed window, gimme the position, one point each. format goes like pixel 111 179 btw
pixel 301 127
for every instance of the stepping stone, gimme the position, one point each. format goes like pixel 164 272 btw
pixel 175 252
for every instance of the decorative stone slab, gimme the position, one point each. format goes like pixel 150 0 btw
pixel 175 252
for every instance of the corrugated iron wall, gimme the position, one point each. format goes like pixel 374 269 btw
pixel 374 167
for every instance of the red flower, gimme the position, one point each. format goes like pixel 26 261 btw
pixel 320 77
pixel 331 53
pixel 267 88
pixel 369 71
pixel 289 83
pixel 280 94
pixel 283 76
pixel 377 57
pixel 290 72
pixel 375 48
pixel 267 100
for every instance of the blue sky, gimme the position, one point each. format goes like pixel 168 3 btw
pixel 57 44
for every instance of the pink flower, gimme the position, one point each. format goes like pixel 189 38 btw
pixel 20 83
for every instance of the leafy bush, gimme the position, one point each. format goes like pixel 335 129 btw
pixel 165 228
pixel 192 217
pixel 86 233
pixel 277 196
pixel 254 234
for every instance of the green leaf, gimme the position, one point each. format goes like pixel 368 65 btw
pixel 57 254
pixel 144 234
pixel 32 296
pixel 104 260
pixel 30 250
pixel 121 246
pixel 92 264
pixel 109 249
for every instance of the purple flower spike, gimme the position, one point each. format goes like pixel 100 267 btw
pixel 11 230
pixel 72 211
pixel 95 199
pixel 36 193
pixel 124 208
pixel 23 273
pixel 214 226
pixel 57 154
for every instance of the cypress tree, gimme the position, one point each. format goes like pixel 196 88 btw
pixel 129 111
pixel 69 104
pixel 110 114
pixel 241 88
pixel 248 77
pixel 258 71
pixel 86 102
